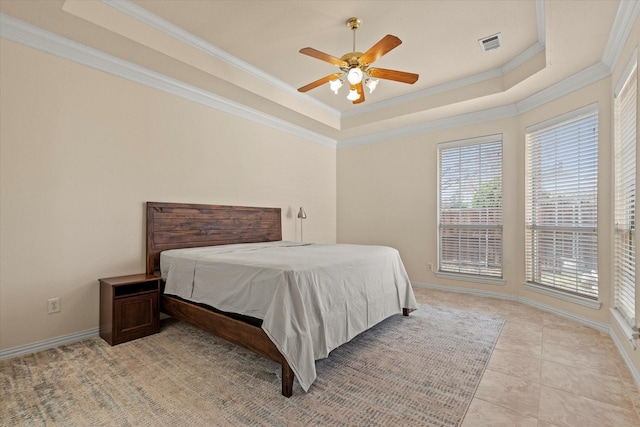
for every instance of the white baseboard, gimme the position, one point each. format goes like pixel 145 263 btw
pixel 49 343
pixel 602 327
pixel 627 360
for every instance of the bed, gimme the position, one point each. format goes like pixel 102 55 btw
pixel 319 299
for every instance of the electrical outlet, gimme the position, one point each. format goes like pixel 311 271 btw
pixel 430 267
pixel 53 305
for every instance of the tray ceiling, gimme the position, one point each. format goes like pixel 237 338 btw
pixel 247 51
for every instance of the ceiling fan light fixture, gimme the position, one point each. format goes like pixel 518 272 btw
pixel 335 85
pixel 354 67
pixel 353 95
pixel 371 84
pixel 355 75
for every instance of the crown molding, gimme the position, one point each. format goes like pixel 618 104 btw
pixel 622 26
pixel 558 90
pixel 154 21
pixel 466 81
pixel 433 125
pixel 143 15
pixel 523 57
pixel 577 81
pixel 476 78
pixel 30 35
pixel 35 37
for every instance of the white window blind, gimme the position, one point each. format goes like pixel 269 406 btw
pixel 561 203
pixel 625 198
pixel 470 207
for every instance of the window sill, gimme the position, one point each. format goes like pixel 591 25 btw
pixel 586 302
pixel 471 278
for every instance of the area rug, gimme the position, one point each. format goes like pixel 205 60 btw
pixel 417 370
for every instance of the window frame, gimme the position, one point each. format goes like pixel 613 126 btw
pixel 486 228
pixel 624 206
pixel 535 228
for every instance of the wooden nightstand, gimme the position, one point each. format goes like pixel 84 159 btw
pixel 129 307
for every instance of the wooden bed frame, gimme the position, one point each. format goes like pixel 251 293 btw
pixel 180 225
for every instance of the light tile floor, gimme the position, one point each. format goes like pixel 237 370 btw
pixel 545 370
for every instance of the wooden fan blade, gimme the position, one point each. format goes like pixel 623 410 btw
pixel 387 43
pixel 398 76
pixel 319 82
pixel 358 88
pixel 323 56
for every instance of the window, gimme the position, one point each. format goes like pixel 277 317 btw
pixel 625 196
pixel 470 207
pixel 561 203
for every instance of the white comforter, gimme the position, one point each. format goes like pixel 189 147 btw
pixel 311 297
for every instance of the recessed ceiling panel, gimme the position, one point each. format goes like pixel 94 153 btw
pixel 440 38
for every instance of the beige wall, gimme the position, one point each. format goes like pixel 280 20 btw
pixel 387 194
pixel 80 153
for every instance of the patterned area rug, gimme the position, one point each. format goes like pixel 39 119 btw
pixel 417 370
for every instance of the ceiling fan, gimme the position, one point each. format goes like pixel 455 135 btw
pixel 355 66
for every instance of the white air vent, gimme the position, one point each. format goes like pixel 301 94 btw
pixel 491 42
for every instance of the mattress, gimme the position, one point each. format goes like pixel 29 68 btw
pixel 311 298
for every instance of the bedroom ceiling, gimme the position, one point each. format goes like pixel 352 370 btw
pixel 247 52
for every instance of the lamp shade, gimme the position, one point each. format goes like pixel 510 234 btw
pixel 371 84
pixel 355 75
pixel 353 95
pixel 335 85
pixel 302 214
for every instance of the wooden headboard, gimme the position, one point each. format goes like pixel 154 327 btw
pixel 182 225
